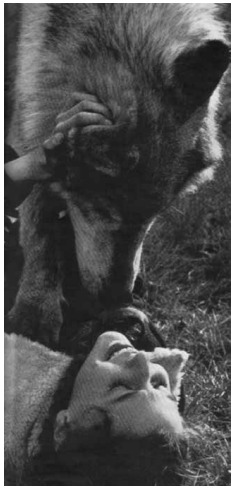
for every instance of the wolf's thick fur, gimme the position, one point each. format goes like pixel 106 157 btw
pixel 157 68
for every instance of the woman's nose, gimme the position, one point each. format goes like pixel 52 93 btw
pixel 141 371
pixel 138 370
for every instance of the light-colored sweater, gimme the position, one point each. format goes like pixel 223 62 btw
pixel 32 376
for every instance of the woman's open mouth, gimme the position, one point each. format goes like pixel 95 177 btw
pixel 117 348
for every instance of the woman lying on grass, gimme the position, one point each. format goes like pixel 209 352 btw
pixel 112 420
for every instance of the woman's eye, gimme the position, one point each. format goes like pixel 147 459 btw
pixel 118 385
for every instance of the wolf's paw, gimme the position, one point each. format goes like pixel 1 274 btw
pixel 38 320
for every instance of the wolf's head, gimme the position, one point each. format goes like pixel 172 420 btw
pixel 158 71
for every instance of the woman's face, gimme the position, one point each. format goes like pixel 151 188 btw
pixel 136 389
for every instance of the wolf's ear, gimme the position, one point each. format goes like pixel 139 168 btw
pixel 198 71
pixel 173 360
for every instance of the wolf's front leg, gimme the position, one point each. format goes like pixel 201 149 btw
pixel 37 310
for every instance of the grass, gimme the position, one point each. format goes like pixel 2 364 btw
pixel 186 266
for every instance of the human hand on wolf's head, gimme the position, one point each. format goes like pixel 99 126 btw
pixel 86 113
pixel 48 162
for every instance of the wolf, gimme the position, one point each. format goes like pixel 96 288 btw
pixel 157 69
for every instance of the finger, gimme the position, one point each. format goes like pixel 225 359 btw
pixel 84 106
pixel 72 133
pixel 90 128
pixel 54 141
pixel 82 96
pixel 82 119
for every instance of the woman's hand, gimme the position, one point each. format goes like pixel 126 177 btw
pixel 42 163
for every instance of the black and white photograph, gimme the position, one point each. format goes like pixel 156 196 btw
pixel 117 244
